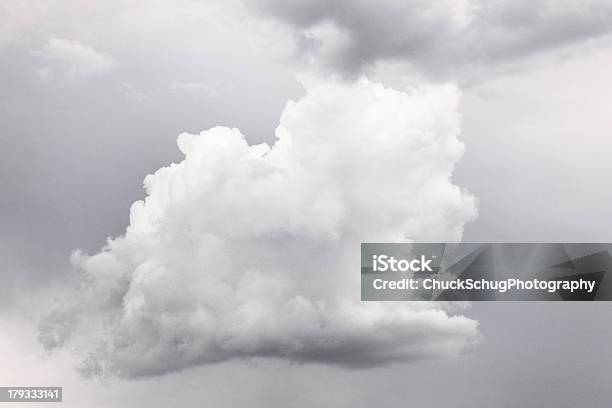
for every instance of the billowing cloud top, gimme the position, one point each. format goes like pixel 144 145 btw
pixel 243 251
pixel 436 37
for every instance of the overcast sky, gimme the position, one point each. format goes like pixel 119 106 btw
pixel 94 94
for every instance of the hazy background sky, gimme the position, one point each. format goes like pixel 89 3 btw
pixel 93 95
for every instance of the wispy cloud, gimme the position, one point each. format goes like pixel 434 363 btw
pixel 74 59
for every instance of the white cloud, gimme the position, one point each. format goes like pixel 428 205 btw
pixel 245 251
pixel 75 59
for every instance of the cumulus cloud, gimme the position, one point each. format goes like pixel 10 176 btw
pixel 242 251
pixel 74 59
pixel 437 38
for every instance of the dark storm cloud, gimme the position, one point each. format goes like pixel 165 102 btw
pixel 438 38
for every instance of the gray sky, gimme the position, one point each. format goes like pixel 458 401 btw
pixel 93 95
